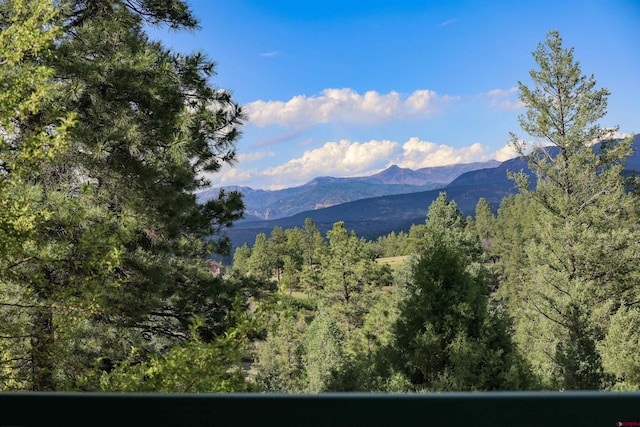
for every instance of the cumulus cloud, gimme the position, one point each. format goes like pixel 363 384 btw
pixel 334 158
pixel 345 106
pixel 504 99
pixel 348 158
pixel 229 176
pixel 507 152
pixel 421 154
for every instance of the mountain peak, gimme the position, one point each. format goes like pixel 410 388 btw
pixel 321 180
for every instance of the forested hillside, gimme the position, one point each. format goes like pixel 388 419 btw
pixel 106 278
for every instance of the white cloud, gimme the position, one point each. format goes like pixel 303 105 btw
pixel 231 175
pixel 342 158
pixel 507 152
pixel 345 106
pixel 504 99
pixel 347 158
pixel 421 154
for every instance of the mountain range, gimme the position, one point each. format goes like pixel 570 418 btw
pixel 399 198
pixel 327 191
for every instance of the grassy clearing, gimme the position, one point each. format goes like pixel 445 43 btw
pixel 394 262
pixel 298 294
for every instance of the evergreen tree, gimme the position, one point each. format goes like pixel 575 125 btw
pixel 372 355
pixel 618 349
pixel 314 246
pixel 581 262
pixel 293 259
pixel 241 259
pixel 214 365
pixel 444 214
pixel 260 263
pixel 279 361
pixel 445 335
pixel 33 129
pixel 277 250
pixel 484 223
pixel 120 244
pixel 313 242
pixel 348 278
pixel 514 229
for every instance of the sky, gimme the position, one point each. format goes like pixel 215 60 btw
pixel 349 88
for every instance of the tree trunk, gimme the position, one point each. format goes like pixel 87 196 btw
pixel 42 340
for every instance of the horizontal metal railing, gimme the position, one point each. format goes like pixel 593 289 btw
pixel 495 409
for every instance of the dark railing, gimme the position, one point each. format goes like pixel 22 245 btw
pixel 487 409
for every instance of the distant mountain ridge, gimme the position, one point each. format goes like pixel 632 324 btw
pixel 326 191
pixel 377 216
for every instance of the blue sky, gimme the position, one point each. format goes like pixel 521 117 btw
pixel 347 88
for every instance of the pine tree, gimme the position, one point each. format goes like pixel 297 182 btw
pixel 324 356
pixel 261 261
pixel 581 262
pixel 313 242
pixel 119 244
pixel 446 336
pixel 279 361
pixel 348 277
pixel 33 129
pixel 484 223
pixel 241 259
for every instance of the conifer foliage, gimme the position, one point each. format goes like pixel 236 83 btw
pixel 447 336
pixel 580 265
pixel 105 136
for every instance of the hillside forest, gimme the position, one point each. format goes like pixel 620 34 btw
pixel 105 252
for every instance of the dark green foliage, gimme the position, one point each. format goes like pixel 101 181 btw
pixel 120 244
pixel 241 259
pixel 260 262
pixel 484 224
pixel 445 335
pixel 315 343
pixel 579 365
pixel 426 324
pixel 346 283
pixel 196 365
pixel 279 354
